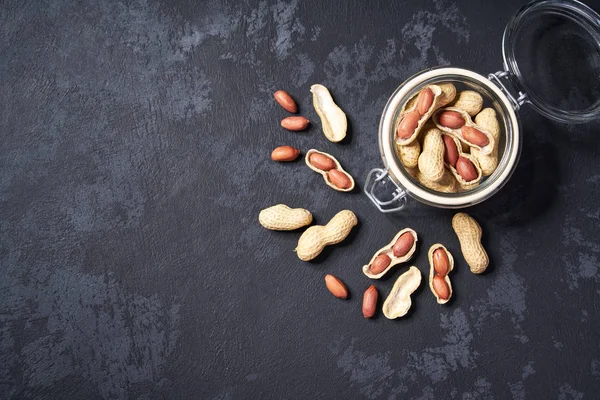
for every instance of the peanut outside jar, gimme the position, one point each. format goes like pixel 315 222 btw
pixel 551 52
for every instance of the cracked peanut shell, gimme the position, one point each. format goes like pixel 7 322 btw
pixel 325 174
pixel 432 272
pixel 398 301
pixel 389 251
pixel 443 94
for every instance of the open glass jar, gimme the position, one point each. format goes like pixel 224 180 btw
pixel 551 53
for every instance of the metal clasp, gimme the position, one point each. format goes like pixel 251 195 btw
pixel 378 175
pixel 496 78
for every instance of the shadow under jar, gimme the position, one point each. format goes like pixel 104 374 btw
pixel 569 26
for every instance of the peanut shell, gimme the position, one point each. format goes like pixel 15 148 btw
pixel 443 94
pixel 324 173
pixel 398 301
pixel 487 120
pixel 314 239
pixel 432 271
pixel 409 154
pixel 468 122
pixel 464 185
pixel 333 119
pixel 283 218
pixel 431 160
pixel 469 101
pixel 387 249
pixel 447 184
pixel 469 235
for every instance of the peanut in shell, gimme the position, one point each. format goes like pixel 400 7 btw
pixel 388 250
pixel 283 218
pixel 487 120
pixel 314 239
pixel 431 160
pixel 327 176
pixel 469 235
pixel 469 101
pixel 433 273
pixel 443 94
pixel 469 125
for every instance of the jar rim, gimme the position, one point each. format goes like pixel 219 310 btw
pixel 399 173
pixel 571 10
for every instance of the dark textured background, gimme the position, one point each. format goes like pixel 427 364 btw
pixel 134 161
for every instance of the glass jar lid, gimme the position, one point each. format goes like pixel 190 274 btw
pixel 551 50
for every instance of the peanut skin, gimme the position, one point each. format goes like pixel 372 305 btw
pixel 451 119
pixel 450 151
pixel 441 264
pixel 403 244
pixel 408 124
pixel 321 161
pixel 474 136
pixel 380 263
pixel 284 154
pixel 286 101
pixel 339 179
pixel 441 287
pixel 425 100
pixel 336 287
pixel 295 123
pixel 370 298
pixel 314 239
pixel 469 235
pixel 466 169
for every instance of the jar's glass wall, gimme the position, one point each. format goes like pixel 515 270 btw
pixel 505 142
pixel 509 144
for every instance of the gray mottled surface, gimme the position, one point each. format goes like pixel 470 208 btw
pixel 135 159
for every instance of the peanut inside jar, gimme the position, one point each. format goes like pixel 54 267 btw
pixel 448 137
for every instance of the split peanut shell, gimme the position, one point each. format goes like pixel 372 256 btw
pixel 443 94
pixel 398 301
pixel 432 272
pixel 487 120
pixel 463 185
pixel 324 173
pixel 333 119
pixel 387 250
pixel 468 123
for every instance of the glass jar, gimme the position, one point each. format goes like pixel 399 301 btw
pixel 534 40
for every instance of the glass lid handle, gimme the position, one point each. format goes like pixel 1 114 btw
pixel 517 99
pixel 378 183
